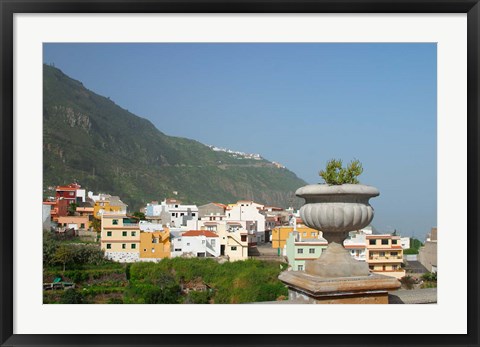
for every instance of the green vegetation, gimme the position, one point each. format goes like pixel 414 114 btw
pixel 335 174
pixel 414 246
pixel 108 149
pixel 74 255
pixel 228 283
pixel 429 280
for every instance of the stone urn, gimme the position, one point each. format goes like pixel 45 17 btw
pixel 336 277
pixel 336 209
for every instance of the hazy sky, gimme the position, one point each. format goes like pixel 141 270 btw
pixel 297 104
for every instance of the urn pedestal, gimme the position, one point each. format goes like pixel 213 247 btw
pixel 335 277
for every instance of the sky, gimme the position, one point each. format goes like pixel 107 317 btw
pixel 299 104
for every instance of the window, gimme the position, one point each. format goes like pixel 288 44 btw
pixel 188 243
pixel 82 225
pixel 134 246
pixel 182 214
pixel 179 240
pixel 133 233
pixel 384 241
pixel 300 267
pixel 109 233
pixel 71 193
pixel 109 246
pixel 371 267
pixel 243 238
pixel 155 240
pixel 124 245
pixel 233 248
pixel 193 214
pixel 213 242
pixel 372 241
pixel 153 250
pixel 115 221
pixel 124 233
pixel 203 242
pixel 178 249
pixel 394 242
pixel 311 250
pixel 173 214
pixel 314 234
pixel 393 254
pixel 300 251
pixel 382 254
pixel 394 267
pixel 305 234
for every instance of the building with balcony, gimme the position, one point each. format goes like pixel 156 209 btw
pixel 356 244
pixel 385 255
pixel 248 211
pixel 173 213
pixel 234 238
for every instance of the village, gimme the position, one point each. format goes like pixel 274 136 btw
pixel 226 232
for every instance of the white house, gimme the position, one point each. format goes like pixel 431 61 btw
pixel 198 243
pixel 405 242
pixel 356 244
pixel 248 212
pixel 234 238
pixel 178 215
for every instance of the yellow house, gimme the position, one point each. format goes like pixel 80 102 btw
pixel 385 255
pixel 155 244
pixel 280 234
pixel 120 234
pixel 108 204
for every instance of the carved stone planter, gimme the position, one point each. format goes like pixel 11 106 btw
pixel 335 277
pixel 336 210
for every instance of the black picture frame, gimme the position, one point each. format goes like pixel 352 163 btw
pixel 9 7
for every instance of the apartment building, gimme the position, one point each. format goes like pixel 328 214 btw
pixel 385 255
pixel 120 237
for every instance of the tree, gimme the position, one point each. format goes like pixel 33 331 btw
pixel 72 208
pixel 71 296
pixel 49 248
pixel 63 255
pixel 139 215
pixel 96 225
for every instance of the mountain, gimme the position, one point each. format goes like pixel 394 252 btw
pixel 90 139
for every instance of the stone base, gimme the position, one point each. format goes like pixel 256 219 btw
pixel 367 297
pixel 371 289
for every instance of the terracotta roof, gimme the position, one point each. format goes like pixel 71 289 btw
pixel 219 204
pixel 205 233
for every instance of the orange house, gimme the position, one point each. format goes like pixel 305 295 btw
pixel 155 244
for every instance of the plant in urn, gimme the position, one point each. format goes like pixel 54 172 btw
pixel 337 207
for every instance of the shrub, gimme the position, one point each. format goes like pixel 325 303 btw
pixel 71 296
pixel 335 174
pixel 194 297
pixel 407 282
pixel 115 301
